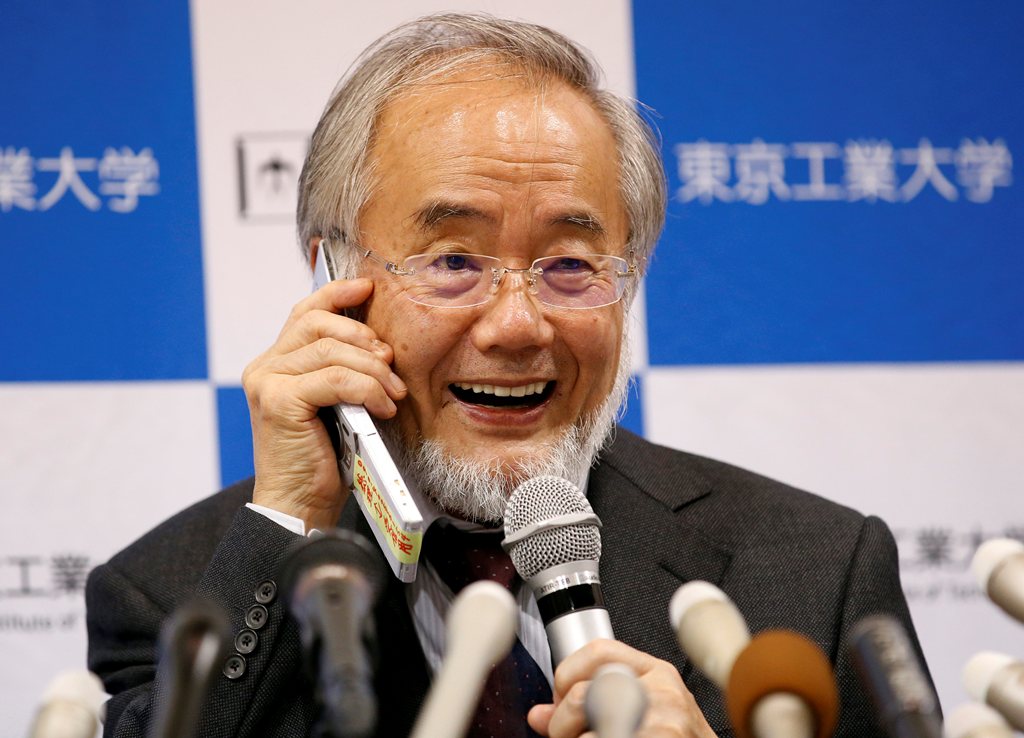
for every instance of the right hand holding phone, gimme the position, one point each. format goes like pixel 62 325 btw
pixel 319 359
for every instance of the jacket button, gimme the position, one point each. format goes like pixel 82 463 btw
pixel 257 616
pixel 234 667
pixel 245 642
pixel 266 592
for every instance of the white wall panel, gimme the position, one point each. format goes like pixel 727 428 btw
pixel 86 469
pixel 935 450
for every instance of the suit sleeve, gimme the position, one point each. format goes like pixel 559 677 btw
pixel 872 587
pixel 129 598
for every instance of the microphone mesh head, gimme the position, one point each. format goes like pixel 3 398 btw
pixel 540 499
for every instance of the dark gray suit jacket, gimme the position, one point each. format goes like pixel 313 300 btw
pixel 787 558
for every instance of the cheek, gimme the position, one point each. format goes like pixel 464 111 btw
pixel 596 344
pixel 422 341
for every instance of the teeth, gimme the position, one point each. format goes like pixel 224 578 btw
pixel 522 390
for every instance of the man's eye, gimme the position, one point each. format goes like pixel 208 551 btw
pixel 454 262
pixel 570 264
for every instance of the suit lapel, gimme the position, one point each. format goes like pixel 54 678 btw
pixel 643 496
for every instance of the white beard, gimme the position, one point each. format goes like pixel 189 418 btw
pixel 478 490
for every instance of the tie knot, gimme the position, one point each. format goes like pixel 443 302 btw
pixel 462 557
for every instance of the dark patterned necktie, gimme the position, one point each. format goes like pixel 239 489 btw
pixel 517 683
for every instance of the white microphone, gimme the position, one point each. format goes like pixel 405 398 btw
pixel 481 629
pixel 72 707
pixel 615 702
pixel 777 685
pixel 551 534
pixel 709 628
pixel 997 680
pixel 974 720
pixel 998 565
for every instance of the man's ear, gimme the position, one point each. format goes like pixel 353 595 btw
pixel 314 246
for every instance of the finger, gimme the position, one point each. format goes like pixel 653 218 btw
pixel 325 352
pixel 334 298
pixel 585 662
pixel 315 324
pixel 569 719
pixel 325 387
pixel 539 717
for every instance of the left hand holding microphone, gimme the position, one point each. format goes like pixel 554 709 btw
pixel 671 709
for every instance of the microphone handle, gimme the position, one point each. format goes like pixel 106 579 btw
pixel 571 605
pixel 572 631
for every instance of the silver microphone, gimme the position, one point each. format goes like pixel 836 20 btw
pixel 551 534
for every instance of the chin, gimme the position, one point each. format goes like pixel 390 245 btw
pixel 477 486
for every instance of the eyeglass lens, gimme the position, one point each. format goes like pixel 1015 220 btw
pixel 458 280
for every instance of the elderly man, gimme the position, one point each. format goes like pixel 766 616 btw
pixel 482 151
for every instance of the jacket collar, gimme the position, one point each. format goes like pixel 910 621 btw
pixel 648 498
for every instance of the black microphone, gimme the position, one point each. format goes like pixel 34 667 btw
pixel 889 669
pixel 551 534
pixel 193 644
pixel 332 582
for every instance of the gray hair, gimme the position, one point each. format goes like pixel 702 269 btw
pixel 336 180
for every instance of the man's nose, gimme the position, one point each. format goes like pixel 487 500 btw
pixel 513 319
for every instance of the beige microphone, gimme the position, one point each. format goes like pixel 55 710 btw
pixel 975 720
pixel 777 685
pixel 997 680
pixel 710 630
pixel 72 707
pixel 998 565
pixel 616 702
pixel 481 629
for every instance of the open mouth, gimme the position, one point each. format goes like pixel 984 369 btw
pixel 490 395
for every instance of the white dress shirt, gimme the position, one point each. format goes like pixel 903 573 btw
pixel 429 599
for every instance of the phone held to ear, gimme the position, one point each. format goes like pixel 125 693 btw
pixel 369 472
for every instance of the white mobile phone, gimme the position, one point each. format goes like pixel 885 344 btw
pixel 369 472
